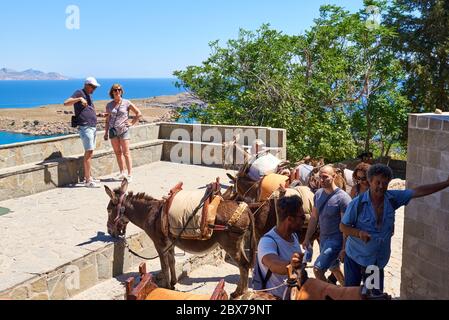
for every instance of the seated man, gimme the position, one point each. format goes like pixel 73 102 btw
pixel 280 247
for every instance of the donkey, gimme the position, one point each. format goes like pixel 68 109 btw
pixel 146 212
pixel 265 212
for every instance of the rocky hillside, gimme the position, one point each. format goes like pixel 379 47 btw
pixel 30 74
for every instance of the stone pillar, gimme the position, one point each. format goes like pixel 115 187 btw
pixel 425 260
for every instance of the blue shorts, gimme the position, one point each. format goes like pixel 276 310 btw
pixel 330 249
pixel 355 274
pixel 88 136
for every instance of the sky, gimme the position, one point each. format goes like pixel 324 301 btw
pixel 137 38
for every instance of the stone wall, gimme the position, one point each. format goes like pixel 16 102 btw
pixel 30 179
pixel 36 166
pixel 425 262
pixel 110 261
pixel 201 140
pixel 24 153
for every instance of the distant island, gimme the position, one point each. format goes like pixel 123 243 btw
pixel 30 74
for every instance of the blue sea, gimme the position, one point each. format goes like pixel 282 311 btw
pixel 31 94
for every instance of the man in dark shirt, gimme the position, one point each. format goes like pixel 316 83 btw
pixel 86 119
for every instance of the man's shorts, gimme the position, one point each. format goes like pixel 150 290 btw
pixel 330 249
pixel 88 136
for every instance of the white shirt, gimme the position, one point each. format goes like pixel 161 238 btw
pixel 286 250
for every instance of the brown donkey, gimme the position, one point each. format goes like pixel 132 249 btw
pixel 264 211
pixel 146 213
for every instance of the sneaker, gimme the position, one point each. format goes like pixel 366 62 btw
pixel 129 178
pixel 95 180
pixel 120 176
pixel 91 184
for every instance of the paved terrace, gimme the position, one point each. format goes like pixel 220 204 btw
pixel 45 232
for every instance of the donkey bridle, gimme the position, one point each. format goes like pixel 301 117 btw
pixel 120 209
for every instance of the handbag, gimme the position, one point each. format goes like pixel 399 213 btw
pixel 74 122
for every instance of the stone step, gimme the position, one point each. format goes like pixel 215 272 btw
pixel 33 178
pixel 114 289
pixel 31 152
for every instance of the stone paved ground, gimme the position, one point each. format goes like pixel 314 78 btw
pixel 52 228
pixel 204 279
pixel 49 229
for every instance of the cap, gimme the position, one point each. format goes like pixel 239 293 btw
pixel 92 81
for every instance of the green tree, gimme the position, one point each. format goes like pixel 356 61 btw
pixel 423 47
pixel 324 86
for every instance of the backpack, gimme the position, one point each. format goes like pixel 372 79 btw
pixel 259 281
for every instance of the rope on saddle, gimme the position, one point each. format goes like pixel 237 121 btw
pixel 237 214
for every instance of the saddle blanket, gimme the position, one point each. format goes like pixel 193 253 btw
pixel 263 166
pixel 307 200
pixel 165 294
pixel 315 289
pixel 269 184
pixel 181 209
pixel 306 196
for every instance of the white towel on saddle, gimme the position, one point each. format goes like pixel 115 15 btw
pixel 263 166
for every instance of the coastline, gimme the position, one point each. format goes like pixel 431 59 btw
pixel 55 119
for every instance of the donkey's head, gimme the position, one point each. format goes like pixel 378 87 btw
pixel 243 188
pixel 117 220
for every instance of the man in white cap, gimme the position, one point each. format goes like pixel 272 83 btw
pixel 86 120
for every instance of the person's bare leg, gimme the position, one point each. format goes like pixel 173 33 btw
pixel 339 275
pixel 127 154
pixel 87 164
pixel 319 274
pixel 118 153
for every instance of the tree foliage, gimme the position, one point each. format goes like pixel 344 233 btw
pixel 423 47
pixel 334 88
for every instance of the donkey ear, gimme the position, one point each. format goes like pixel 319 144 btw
pixel 124 186
pixel 109 192
pixel 231 177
